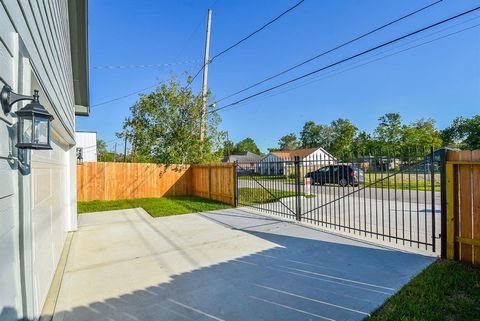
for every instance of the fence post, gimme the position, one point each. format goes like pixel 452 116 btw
pixel 235 184
pixel 298 199
pixel 443 201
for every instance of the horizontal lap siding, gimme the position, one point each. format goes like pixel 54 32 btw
pixel 38 29
pixel 42 28
pixel 10 293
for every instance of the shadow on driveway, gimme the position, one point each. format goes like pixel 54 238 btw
pixel 307 275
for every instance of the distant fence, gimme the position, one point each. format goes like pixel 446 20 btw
pixel 463 205
pixel 115 181
pixel 215 182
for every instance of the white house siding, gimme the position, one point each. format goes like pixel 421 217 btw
pixel 275 165
pixel 37 207
pixel 87 141
pixel 319 157
pixel 271 165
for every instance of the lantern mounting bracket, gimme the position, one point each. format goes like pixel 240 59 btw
pixel 8 98
pixel 33 125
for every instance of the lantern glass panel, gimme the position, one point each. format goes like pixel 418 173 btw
pixel 41 130
pixel 26 130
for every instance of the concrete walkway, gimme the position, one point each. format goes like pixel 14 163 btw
pixel 223 265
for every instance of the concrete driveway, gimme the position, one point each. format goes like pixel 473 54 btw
pixel 223 265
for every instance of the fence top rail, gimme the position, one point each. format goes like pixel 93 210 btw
pixel 213 165
pixel 464 157
pixel 157 164
pixel 463 162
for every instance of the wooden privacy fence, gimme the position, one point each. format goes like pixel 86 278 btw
pixel 116 181
pixel 216 182
pixel 463 205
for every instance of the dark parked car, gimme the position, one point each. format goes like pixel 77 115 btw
pixel 342 175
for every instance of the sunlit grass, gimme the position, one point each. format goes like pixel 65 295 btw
pixel 163 206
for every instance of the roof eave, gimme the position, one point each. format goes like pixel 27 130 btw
pixel 78 26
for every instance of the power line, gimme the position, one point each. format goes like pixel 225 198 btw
pixel 356 65
pixel 195 30
pixel 347 59
pixel 249 36
pixel 330 50
pixel 95 146
pixel 145 65
pixel 124 96
pixel 203 65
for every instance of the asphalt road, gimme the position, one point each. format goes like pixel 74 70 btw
pixel 395 216
pixel 408 196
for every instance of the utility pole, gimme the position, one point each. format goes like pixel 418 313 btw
pixel 125 148
pixel 205 76
pixel 114 152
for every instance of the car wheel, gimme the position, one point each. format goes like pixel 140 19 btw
pixel 343 182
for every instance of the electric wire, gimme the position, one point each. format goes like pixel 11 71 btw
pixel 347 59
pixel 331 50
pixel 215 56
pixel 144 65
pixel 247 37
pixel 356 65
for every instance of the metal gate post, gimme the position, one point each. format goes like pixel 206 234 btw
pixel 235 184
pixel 298 196
pixel 443 201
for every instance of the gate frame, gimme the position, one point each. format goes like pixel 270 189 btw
pixel 442 169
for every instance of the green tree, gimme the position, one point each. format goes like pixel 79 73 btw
pixel 246 145
pixel 289 142
pixel 463 133
pixel 228 147
pixel 364 144
pixel 103 155
pixel 316 135
pixel 389 129
pixel 343 134
pixel 421 134
pixel 164 127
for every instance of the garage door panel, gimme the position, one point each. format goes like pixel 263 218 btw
pixel 49 213
pixel 41 190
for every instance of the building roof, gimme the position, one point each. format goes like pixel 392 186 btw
pixel 242 157
pixel 78 26
pixel 302 153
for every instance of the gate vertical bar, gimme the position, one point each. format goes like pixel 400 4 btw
pixel 298 207
pixel 235 182
pixel 443 202
pixel 432 163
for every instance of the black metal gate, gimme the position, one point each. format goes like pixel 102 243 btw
pixel 392 196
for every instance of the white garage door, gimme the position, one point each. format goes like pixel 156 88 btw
pixel 49 214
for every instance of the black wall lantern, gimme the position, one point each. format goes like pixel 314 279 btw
pixel 33 120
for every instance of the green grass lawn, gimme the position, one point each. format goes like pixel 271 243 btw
pixel 446 290
pixel 407 181
pixel 248 195
pixel 163 206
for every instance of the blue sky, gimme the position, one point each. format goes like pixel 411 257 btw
pixel 439 80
